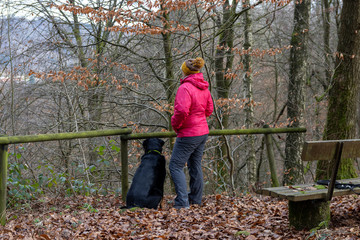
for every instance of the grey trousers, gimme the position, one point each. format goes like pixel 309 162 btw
pixel 188 150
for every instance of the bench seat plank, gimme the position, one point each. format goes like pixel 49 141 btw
pixel 303 192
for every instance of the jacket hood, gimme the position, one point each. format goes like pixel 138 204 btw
pixel 196 79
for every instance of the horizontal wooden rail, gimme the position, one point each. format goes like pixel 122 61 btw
pixel 218 132
pixel 63 136
pixel 255 131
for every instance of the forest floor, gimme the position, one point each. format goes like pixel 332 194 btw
pixel 220 217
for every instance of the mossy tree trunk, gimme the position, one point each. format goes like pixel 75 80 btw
pixel 169 83
pixel 344 94
pixel 248 93
pixel 97 93
pixel 326 38
pixel 295 103
pixel 309 214
pixel 224 59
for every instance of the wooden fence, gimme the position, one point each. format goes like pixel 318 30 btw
pixel 125 136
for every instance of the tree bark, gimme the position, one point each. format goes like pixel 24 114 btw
pixel 344 93
pixel 169 83
pixel 326 38
pixel 249 108
pixel 223 83
pixel 309 214
pixel 295 103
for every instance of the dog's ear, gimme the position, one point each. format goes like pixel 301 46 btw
pixel 145 143
pixel 161 142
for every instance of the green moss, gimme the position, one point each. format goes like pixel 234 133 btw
pixel 346 169
pixel 308 214
pixel 242 233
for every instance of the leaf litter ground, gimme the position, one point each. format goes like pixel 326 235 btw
pixel 220 217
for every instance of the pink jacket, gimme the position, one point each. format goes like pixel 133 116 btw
pixel 193 104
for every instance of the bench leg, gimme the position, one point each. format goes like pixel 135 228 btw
pixel 309 214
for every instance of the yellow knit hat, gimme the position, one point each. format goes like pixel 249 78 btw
pixel 192 66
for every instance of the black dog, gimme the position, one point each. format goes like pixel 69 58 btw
pixel 147 187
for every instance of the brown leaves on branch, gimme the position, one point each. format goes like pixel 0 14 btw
pixel 163 106
pixel 258 53
pixel 227 104
pixel 87 77
pixel 138 17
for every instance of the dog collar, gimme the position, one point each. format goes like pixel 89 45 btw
pixel 154 151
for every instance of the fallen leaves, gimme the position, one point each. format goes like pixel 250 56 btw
pixel 221 217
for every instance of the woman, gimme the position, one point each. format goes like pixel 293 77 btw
pixel 193 104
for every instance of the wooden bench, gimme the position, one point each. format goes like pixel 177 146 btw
pixel 309 204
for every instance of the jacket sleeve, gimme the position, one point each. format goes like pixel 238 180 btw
pixel 209 107
pixel 181 108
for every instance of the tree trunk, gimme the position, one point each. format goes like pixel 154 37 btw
pixel 344 93
pixel 169 83
pixel 226 40
pixel 326 37
pixel 95 95
pixel 295 103
pixel 309 214
pixel 249 109
pixel 94 102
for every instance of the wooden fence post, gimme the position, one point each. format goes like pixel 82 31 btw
pixel 124 167
pixel 271 158
pixel 3 181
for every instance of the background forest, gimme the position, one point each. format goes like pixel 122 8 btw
pixel 76 65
